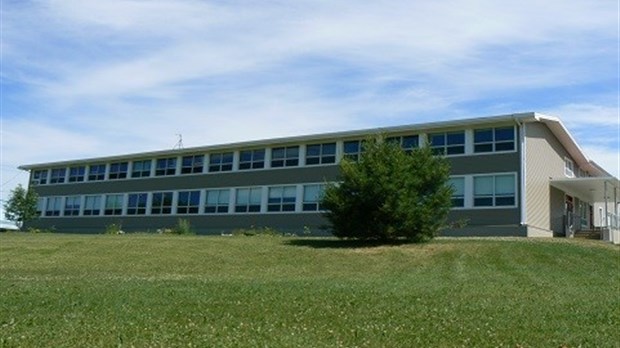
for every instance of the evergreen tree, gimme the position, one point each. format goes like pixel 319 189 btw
pixel 390 194
pixel 21 205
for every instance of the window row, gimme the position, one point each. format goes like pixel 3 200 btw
pixel 194 164
pixel 486 140
pixel 478 191
pixel 210 201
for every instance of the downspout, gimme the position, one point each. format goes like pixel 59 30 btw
pixel 523 167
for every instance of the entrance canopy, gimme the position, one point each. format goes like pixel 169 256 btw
pixel 596 189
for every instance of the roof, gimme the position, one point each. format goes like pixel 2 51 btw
pixel 554 124
pixel 590 189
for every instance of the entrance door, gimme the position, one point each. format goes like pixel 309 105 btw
pixel 569 216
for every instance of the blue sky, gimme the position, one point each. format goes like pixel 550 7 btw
pixel 86 78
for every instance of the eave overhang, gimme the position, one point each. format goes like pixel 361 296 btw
pixel 590 189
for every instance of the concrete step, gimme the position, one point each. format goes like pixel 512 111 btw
pixel 588 234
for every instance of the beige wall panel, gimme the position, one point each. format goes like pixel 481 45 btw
pixel 544 160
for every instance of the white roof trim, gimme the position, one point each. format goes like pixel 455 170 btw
pixel 554 124
pixel 559 130
pixel 421 127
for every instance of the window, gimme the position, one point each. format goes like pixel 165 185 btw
pixel 321 153
pixel 166 166
pixel 113 205
pixel 188 202
pixel 494 139
pixel 450 143
pixel 494 190
pixel 39 177
pixel 96 172
pixel 458 191
pixel 92 205
pixel 285 156
pixel 248 200
pixel 217 201
pixel 569 167
pixel 57 176
pixel 40 206
pixel 118 170
pixel 407 143
pixel 282 198
pixel 312 197
pixel 221 162
pixel 72 205
pixel 136 203
pixel 353 149
pixel 76 174
pixel 141 169
pixel 192 164
pixel 252 159
pixel 161 203
pixel 54 205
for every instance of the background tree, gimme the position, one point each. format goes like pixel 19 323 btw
pixel 390 194
pixel 21 205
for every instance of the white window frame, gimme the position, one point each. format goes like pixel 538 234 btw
pixel 445 146
pixel 191 209
pixel 139 209
pixel 220 166
pixel 72 210
pixel 74 178
pixel 255 162
pixel 97 203
pixel 494 195
pixel 220 207
pixel 494 142
pixel 464 196
pixel 315 201
pixel 283 203
pixel 55 205
pixel 143 173
pixel 115 207
pixel 286 158
pixel 161 206
pixel 170 168
pixel 119 173
pixel 322 158
pixel 61 176
pixel 97 176
pixel 248 204
pixel 196 165
pixel 569 167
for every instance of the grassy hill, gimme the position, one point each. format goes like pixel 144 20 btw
pixel 157 290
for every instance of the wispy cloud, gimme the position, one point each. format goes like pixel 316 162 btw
pixel 89 77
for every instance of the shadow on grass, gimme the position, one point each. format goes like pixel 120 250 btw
pixel 328 243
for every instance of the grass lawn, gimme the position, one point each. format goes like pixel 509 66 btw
pixel 193 291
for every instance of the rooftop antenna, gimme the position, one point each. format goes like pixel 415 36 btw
pixel 179 144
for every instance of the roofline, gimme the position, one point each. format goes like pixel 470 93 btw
pixel 303 138
pixel 554 124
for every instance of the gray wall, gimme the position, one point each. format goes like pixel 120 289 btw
pixel 290 222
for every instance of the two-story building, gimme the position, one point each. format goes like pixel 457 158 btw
pixel 513 175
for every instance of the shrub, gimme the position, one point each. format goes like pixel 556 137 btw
pixel 390 194
pixel 113 229
pixel 21 205
pixel 184 227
